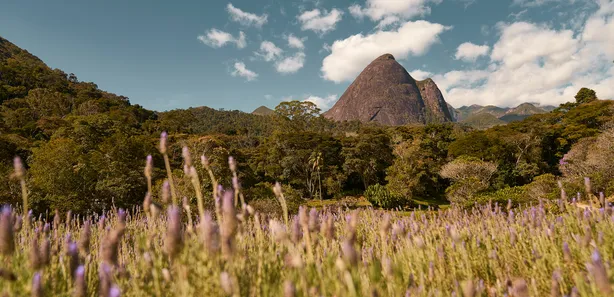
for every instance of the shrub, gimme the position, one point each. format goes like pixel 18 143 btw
pixel 379 196
pixel 470 176
pixel 262 198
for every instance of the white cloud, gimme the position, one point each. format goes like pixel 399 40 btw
pixel 295 42
pixel 291 64
pixel 217 38
pixel 324 103
pixel 269 51
pixel 420 74
pixel 535 3
pixel 536 63
pixel 350 56
pixel 246 18
pixel 380 10
pixel 470 52
pixel 242 71
pixel 318 21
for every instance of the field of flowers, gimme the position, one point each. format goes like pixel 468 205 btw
pixel 169 249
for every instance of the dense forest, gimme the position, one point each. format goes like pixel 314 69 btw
pixel 85 149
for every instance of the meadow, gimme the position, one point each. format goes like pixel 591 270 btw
pixel 223 247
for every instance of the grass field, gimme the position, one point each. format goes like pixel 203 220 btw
pixel 483 252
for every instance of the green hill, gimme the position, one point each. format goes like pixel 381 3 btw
pixel 482 121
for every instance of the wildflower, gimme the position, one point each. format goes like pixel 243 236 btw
pixel 166 274
pixel 45 253
pixel 174 237
pixel 80 288
pixel 313 220
pixel 110 246
pixel 37 288
pixel 73 258
pixel 587 185
pixel 349 253
pixel 35 261
pixel 229 224
pixel 7 240
pixel 520 288
pixel 104 280
pixel 226 283
pixel 278 231
pixel 327 228
pixel 469 289
pixel 114 292
pixel 187 158
pixel 296 230
pixel 148 167
pixel 163 142
pixel 84 239
pixel 555 286
pixel 232 164
pixel 204 160
pixel 20 171
pixel 289 289
pixel 597 269
pixel 209 233
pixel 166 192
pixel 566 252
pixel 384 227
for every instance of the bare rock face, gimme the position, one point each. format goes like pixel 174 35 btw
pixel 385 93
pixel 436 108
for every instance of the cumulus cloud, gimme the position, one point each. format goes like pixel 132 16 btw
pixel 246 18
pixel 291 64
pixel 320 22
pixel 217 38
pixel 324 103
pixel 295 42
pixel 420 74
pixel 470 52
pixel 535 3
pixel 349 56
pixel 241 70
pixel 537 63
pixel 392 11
pixel 269 51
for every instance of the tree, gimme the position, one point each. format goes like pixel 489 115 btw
pixel 367 155
pixel 585 95
pixel 298 115
pixel 414 173
pixel 469 175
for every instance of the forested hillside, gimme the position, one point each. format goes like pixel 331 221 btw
pixel 85 149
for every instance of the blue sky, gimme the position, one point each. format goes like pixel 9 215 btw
pixel 245 53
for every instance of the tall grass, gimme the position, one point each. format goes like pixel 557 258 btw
pixel 539 250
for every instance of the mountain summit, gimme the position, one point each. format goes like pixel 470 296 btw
pixel 385 93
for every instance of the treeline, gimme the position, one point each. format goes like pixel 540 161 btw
pixel 85 149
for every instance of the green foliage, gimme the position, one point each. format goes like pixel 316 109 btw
pixel 585 95
pixel 379 196
pixel 414 173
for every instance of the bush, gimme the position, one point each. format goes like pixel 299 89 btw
pixel 542 187
pixel 379 196
pixel 470 176
pixel 262 198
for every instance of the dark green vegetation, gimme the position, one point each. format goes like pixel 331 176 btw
pixel 84 149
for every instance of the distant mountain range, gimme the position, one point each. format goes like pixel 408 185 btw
pixel 385 93
pixel 483 117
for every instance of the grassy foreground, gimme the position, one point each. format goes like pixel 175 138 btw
pixel 484 252
pixel 223 247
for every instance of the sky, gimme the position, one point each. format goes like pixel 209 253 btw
pixel 242 54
